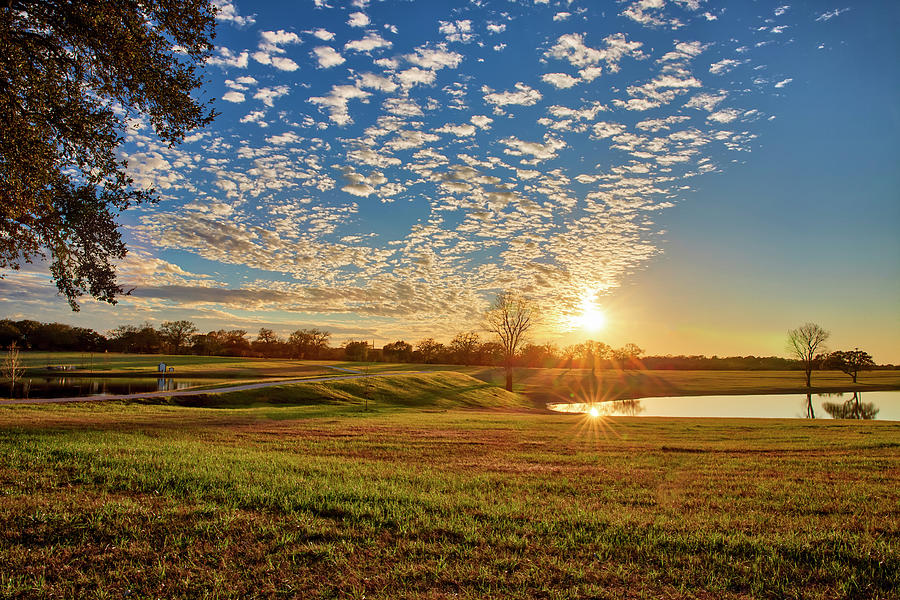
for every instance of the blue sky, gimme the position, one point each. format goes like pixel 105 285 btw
pixel 709 174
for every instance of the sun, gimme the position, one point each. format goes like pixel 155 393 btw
pixel 592 317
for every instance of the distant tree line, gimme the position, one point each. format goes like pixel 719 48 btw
pixel 465 348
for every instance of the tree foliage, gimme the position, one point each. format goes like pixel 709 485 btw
pixel 308 343
pixel 850 362
pixel 72 75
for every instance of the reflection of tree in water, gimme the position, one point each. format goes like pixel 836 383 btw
pixel 627 408
pixel 810 411
pixel 854 408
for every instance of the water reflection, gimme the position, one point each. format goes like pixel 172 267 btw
pixel 854 408
pixel 72 387
pixel 878 405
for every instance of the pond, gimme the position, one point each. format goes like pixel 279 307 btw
pixel 884 406
pixel 73 387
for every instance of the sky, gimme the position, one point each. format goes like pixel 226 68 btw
pixel 707 175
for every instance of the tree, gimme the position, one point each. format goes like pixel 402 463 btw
pixel 399 351
pixel 850 362
pixel 308 343
pixel 72 75
pixel 804 343
pixel 12 367
pixel 356 351
pixel 464 346
pixel 510 318
pixel 176 334
pixel 429 350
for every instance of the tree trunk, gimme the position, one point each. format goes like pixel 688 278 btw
pixel 854 377
pixel 808 377
pixel 508 379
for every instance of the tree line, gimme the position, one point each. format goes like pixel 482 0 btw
pixel 465 348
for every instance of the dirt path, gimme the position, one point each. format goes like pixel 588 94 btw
pixel 194 392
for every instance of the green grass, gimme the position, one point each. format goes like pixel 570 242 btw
pixel 542 385
pixel 424 496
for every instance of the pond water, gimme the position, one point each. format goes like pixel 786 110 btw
pixel 73 387
pixel 884 406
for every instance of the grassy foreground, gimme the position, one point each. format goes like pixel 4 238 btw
pixel 420 498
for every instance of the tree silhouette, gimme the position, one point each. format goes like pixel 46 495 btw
pixel 850 362
pixel 510 318
pixel 805 343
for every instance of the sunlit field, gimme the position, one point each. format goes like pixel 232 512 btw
pixel 541 385
pixel 446 487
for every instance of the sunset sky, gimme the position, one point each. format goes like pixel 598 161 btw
pixel 710 174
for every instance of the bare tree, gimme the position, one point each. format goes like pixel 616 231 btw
pixel 509 318
pixel 806 343
pixel 12 367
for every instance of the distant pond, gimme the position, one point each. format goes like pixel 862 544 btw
pixel 884 406
pixel 73 387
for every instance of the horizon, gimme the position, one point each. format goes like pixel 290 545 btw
pixel 704 177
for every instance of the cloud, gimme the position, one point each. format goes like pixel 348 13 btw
pixel 560 80
pixel 540 151
pixel 827 16
pixel 371 41
pixel 481 121
pixel 226 11
pixel 358 19
pixel 269 49
pixel 561 16
pixel 268 95
pixel 571 47
pixel 336 102
pixel 523 95
pixel 323 34
pixel 784 82
pixel 328 57
pixel 377 82
pixel 415 76
pixel 233 97
pixel 227 58
pixel 457 31
pixel 463 130
pixel 724 66
pixel 435 58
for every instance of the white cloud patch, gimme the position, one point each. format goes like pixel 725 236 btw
pixel 784 82
pixel 226 11
pixel 522 95
pixel 371 41
pixel 724 66
pixel 336 102
pixel 233 96
pixel 827 16
pixel 268 95
pixel 457 31
pixel 358 19
pixel 560 80
pixel 540 151
pixel 328 57
pixel 226 58
pixel 435 58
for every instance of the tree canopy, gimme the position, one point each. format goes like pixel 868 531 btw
pixel 72 75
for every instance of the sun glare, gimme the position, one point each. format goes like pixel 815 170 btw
pixel 591 317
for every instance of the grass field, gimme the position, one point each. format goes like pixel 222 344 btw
pixel 434 494
pixel 541 385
